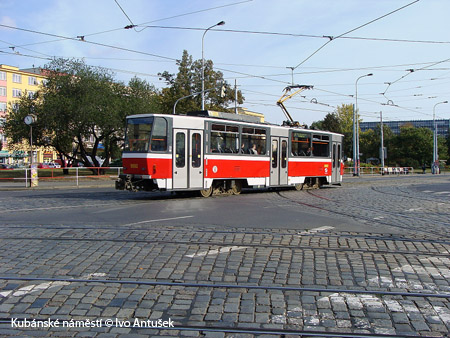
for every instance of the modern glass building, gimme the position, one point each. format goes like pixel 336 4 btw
pixel 443 126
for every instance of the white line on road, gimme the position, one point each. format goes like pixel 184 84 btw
pixel 441 192
pixel 159 220
pixel 413 209
pixel 56 208
pixel 216 252
pixel 43 286
pixel 315 230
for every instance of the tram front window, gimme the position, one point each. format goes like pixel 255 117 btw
pixel 138 132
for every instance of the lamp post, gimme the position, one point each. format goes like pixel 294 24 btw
pixel 435 164
pixel 356 170
pixel 29 120
pixel 221 23
pixel 382 143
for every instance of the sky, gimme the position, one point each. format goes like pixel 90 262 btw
pixel 264 46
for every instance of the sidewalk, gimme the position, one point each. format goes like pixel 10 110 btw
pixel 70 183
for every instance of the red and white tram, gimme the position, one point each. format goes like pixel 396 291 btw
pixel 220 152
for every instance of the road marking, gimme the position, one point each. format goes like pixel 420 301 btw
pixel 441 192
pixel 413 209
pixel 56 208
pixel 43 286
pixel 315 230
pixel 216 252
pixel 159 220
pixel 379 217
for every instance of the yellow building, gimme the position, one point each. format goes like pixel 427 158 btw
pixel 15 82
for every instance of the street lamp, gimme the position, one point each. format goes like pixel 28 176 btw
pixel 356 130
pixel 221 23
pixel 435 165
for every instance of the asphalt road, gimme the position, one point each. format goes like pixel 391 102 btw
pixel 247 265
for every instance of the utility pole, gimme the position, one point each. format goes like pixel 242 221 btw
pixel 292 73
pixel 235 97
pixel 435 164
pixel 382 141
pixel 356 128
pixel 221 23
pixel 355 165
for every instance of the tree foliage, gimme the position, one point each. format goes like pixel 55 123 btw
pixel 412 147
pixel 80 111
pixel 188 81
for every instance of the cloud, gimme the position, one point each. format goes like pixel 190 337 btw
pixel 7 21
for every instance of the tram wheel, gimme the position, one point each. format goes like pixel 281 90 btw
pixel 299 187
pixel 237 188
pixel 207 192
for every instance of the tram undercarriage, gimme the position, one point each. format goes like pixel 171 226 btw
pixel 218 187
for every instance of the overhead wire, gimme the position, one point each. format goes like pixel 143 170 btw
pixel 123 11
pixel 122 28
pixel 303 35
pixel 265 77
pixel 331 38
pixel 82 39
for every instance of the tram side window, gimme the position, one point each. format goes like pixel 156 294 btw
pixel 224 138
pixel 159 135
pixel 321 145
pixel 301 144
pixel 253 141
pixel 137 136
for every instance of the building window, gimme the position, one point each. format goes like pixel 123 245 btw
pixel 2 106
pixel 2 121
pixel 32 81
pixel 17 78
pixel 31 94
pixel 17 92
pixel 2 76
pixel 2 91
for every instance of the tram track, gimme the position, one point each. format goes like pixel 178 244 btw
pixel 368 219
pixel 224 244
pixel 254 330
pixel 236 231
pixel 406 194
pixel 228 286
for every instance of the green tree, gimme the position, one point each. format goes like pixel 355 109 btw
pixel 370 142
pixel 412 147
pixel 443 149
pixel 330 123
pixel 188 81
pixel 142 98
pixel 80 111
pixel 345 116
pixel 340 121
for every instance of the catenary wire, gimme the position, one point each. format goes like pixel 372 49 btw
pixel 352 30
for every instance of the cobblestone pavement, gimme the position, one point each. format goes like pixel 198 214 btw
pixel 211 280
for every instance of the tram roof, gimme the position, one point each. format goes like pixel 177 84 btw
pixel 226 117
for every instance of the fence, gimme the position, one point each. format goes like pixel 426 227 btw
pixel 380 171
pixel 57 174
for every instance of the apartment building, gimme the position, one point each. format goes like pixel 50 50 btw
pixel 15 82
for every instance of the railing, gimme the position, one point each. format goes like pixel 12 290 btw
pixel 57 174
pixel 380 171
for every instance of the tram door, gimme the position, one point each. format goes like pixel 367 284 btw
pixel 336 159
pixel 279 161
pixel 187 159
